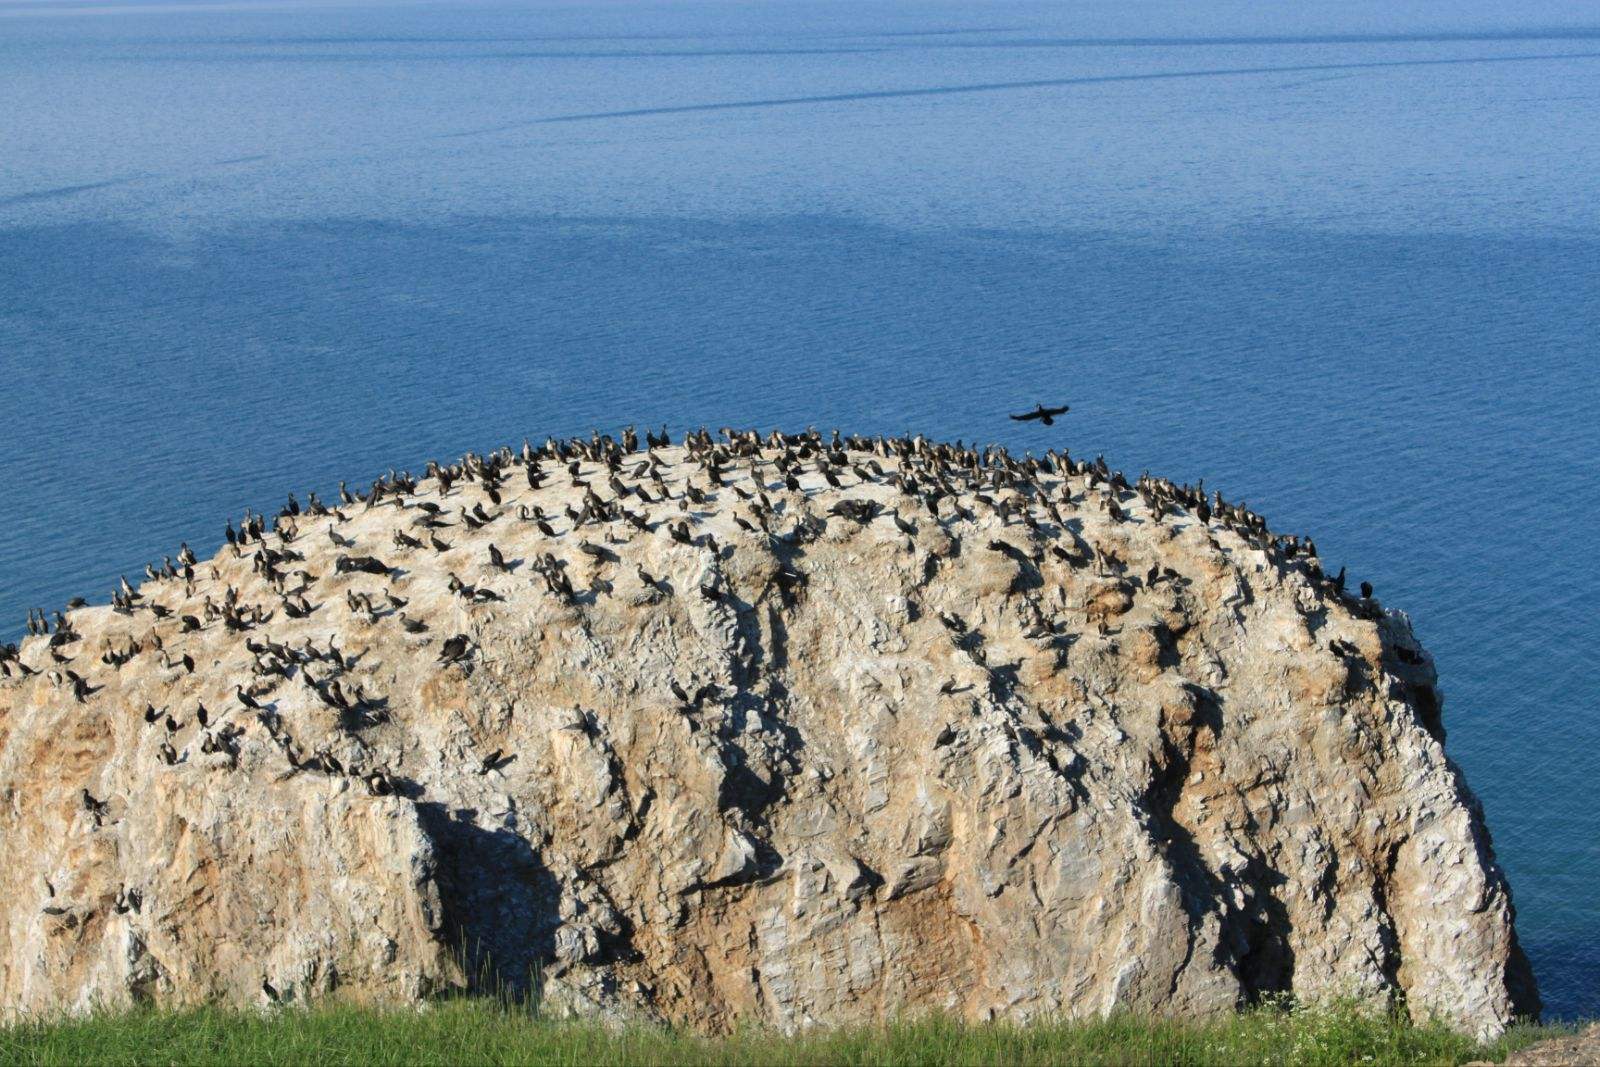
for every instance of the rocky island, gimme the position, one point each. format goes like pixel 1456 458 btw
pixel 787 730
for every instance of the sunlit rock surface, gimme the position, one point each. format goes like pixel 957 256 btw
pixel 996 739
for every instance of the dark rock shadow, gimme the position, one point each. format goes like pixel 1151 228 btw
pixel 501 904
pixel 1254 941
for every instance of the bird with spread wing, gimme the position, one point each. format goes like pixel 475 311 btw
pixel 1042 414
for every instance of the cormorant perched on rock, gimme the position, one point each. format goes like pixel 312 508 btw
pixel 454 648
pixel 96 808
pixel 365 564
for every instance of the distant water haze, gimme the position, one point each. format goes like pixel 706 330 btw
pixel 1340 260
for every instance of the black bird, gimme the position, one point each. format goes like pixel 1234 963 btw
pixel 202 716
pixel 1042 414
pixel 496 559
pixel 599 552
pixel 365 564
pixel 96 808
pixel 455 648
pixel 1366 590
pixel 244 698
pixel 127 900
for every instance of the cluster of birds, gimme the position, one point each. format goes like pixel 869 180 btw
pixel 614 491
pixel 629 482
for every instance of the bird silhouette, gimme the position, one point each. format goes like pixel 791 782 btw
pixel 1042 414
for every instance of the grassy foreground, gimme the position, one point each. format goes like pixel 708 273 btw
pixel 484 1032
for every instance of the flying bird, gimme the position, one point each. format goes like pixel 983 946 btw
pixel 1042 414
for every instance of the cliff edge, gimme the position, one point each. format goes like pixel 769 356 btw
pixel 785 730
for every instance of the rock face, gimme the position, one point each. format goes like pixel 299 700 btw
pixel 991 737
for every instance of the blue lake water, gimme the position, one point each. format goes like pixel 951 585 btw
pixel 1340 260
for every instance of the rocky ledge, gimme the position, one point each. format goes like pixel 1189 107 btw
pixel 775 730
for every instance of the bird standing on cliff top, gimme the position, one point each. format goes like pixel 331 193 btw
pixel 1042 414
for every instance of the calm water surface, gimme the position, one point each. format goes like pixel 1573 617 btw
pixel 1341 260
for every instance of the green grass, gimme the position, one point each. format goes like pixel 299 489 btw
pixel 484 1032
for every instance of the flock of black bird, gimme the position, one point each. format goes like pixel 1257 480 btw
pixel 625 490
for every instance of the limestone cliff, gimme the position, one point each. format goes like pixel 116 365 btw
pixel 768 730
